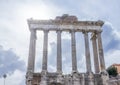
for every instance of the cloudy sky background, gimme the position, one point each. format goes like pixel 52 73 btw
pixel 14 34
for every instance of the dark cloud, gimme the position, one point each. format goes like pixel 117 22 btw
pixel 9 62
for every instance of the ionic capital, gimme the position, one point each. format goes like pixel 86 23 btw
pixel 93 36
pixel 58 31
pixel 72 31
pixel 84 32
pixel 97 32
pixel 46 31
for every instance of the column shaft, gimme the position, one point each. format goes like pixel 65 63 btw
pixel 31 58
pixel 95 54
pixel 59 57
pixel 74 60
pixel 101 54
pixel 87 52
pixel 45 51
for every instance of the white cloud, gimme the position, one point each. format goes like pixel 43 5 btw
pixel 112 57
pixel 9 62
pixel 17 78
pixel 51 68
pixel 17 23
pixel 14 30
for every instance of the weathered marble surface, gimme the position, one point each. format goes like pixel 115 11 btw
pixel 66 23
pixel 72 25
pixel 69 79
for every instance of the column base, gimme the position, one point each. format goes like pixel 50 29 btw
pixel 29 78
pixel 74 71
pixel 76 79
pixel 43 78
pixel 90 78
pixel 44 72
pixel 59 72
pixel 105 77
pixel 43 81
pixel 60 79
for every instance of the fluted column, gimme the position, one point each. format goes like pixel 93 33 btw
pixel 31 58
pixel 73 44
pixel 101 54
pixel 95 53
pixel 45 51
pixel 87 52
pixel 59 57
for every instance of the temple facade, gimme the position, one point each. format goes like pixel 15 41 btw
pixel 72 25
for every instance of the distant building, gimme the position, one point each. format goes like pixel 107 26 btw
pixel 116 66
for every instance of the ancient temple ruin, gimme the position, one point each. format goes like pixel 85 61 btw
pixel 70 24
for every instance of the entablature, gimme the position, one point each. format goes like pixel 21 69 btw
pixel 54 25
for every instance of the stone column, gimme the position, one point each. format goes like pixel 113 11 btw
pixel 101 54
pixel 87 52
pixel 73 44
pixel 95 53
pixel 31 58
pixel 59 57
pixel 45 51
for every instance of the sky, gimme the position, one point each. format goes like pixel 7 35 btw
pixel 15 34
